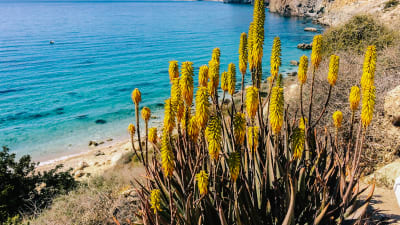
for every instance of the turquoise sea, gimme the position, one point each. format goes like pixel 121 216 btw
pixel 55 98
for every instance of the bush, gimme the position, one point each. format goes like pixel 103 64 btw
pixel 357 34
pixel 22 190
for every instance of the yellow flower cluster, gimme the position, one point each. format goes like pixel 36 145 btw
pixel 276 57
pixel 155 200
pixel 243 53
pixel 186 82
pixel 167 155
pixel 303 67
pixel 153 135
pixel 252 137
pixel 231 78
pixel 203 76
pixel 368 75
pixel 234 165
pixel 316 51
pixel 276 108
pixel 333 70
pixel 202 107
pixel 213 136
pixel 337 119
pixel 202 182
pixel 193 129
pixel 169 116
pixel 239 127
pixel 251 101
pixel 298 138
pixel 354 98
pixel 224 81
pixel 368 104
pixel 146 113
pixel 173 70
pixel 136 96
pixel 131 129
pixel 258 32
pixel 250 46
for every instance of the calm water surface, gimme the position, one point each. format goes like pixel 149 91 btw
pixel 55 98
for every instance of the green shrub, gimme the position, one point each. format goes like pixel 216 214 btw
pixel 390 4
pixel 22 190
pixel 357 34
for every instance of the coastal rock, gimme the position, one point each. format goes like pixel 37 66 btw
pixel 292 74
pixel 303 8
pixel 310 29
pixel 93 143
pixel 392 106
pixel 110 139
pixel 294 62
pixel 304 46
pixel 386 175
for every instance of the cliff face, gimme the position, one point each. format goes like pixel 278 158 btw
pixel 334 12
pixel 309 8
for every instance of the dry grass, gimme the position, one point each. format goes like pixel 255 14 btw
pixel 382 137
pixel 97 200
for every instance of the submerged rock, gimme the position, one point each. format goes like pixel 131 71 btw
pixel 294 62
pixel 100 121
pixel 304 46
pixel 310 29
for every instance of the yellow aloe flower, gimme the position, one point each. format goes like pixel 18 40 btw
pixel 354 98
pixel 303 67
pixel 252 137
pixel 243 53
pixel 302 123
pixel 316 51
pixel 276 57
pixel 136 96
pixel 368 104
pixel 213 136
pixel 155 200
pixel 333 70
pixel 367 78
pixel 216 54
pixel 186 83
pixel 173 70
pixel 202 107
pixel 231 78
pixel 167 155
pixel 131 129
pixel 276 108
pixel 169 116
pixel 258 32
pixel 186 117
pixel 251 101
pixel 224 81
pixel 213 75
pixel 203 76
pixel 337 119
pixel 193 129
pixel 234 165
pixel 239 127
pixel 153 135
pixel 202 182
pixel 250 46
pixel 298 139
pixel 146 113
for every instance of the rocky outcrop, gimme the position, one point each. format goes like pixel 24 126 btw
pixel 310 8
pixel 335 12
pixel 392 106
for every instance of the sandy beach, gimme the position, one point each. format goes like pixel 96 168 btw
pixel 92 162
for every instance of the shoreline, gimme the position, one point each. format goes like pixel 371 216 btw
pixel 92 162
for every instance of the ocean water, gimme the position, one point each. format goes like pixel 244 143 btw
pixel 55 98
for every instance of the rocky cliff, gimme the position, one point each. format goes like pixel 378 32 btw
pixel 309 8
pixel 334 12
